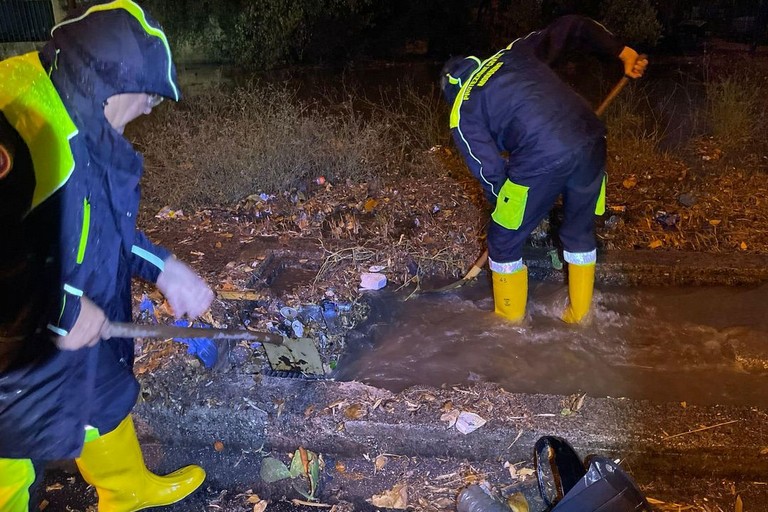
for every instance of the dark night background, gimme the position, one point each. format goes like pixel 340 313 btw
pixel 263 33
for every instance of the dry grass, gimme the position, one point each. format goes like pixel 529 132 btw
pixel 224 144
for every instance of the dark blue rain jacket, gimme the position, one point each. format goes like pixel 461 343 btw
pixel 81 240
pixel 515 102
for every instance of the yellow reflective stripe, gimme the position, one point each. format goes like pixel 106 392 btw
pixel 16 477
pixel 600 206
pixel 137 12
pixel 63 306
pixel 33 107
pixel 466 88
pixel 84 232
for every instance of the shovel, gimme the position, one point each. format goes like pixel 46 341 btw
pixel 479 262
pixel 284 354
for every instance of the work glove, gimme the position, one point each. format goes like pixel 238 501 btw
pixel 185 291
pixel 89 328
pixel 634 64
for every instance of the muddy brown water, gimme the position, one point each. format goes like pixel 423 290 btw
pixel 700 346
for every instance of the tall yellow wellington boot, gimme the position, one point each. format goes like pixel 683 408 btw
pixel 581 282
pixel 113 464
pixel 510 293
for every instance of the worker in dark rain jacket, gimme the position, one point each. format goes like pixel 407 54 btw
pixel 514 102
pixel 69 197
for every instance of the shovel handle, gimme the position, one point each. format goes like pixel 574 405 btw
pixel 129 330
pixel 616 90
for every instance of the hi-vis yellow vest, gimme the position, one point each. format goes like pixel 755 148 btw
pixel 33 107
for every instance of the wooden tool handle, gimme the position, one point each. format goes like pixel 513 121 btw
pixel 129 330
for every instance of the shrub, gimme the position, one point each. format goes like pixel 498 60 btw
pixel 221 145
pixel 733 105
pixel 633 20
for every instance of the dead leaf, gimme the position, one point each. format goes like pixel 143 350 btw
pixel 397 498
pixel 309 411
pixel 739 504
pixel 743 246
pixel 54 487
pixel 518 503
pixel 715 222
pixel 355 412
pixel 340 467
pixel 525 473
pixel 655 244
pixel 370 204
pixel 630 182
pixel 218 245
pixel 380 462
pixel 450 417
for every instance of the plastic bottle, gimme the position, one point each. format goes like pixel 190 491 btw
pixel 475 499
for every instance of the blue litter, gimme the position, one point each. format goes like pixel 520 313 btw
pixel 204 348
pixel 146 306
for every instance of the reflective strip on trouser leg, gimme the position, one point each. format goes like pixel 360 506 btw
pixel 580 258
pixel 505 268
pixel 16 478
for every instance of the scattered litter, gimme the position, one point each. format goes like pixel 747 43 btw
pixel 376 268
pixel 469 422
pixel 298 328
pixel 289 313
pixel 167 213
pixel 667 220
pixel 203 348
pixel 465 422
pixel 612 222
pixel 372 281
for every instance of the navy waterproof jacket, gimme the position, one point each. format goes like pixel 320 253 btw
pixel 515 102
pixel 81 240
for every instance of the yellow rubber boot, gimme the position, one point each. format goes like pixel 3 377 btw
pixel 581 282
pixel 114 465
pixel 510 293
pixel 16 478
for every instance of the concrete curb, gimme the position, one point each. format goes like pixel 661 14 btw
pixel 282 414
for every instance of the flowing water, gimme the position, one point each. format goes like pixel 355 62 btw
pixel 699 345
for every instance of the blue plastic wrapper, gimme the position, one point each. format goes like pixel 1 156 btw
pixel 203 348
pixel 146 306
